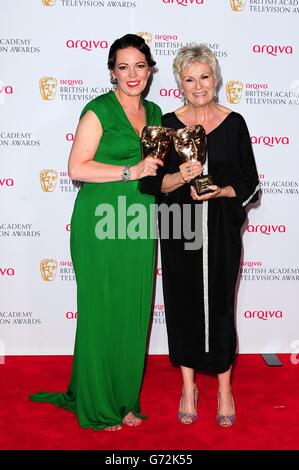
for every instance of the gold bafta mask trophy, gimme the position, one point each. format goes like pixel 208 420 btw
pixel 191 144
pixel 155 141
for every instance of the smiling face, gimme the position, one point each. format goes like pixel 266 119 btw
pixel 131 71
pixel 198 83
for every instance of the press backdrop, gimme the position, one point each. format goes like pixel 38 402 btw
pixel 53 61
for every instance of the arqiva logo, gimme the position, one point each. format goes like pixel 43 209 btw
pixel 266 229
pixel 71 315
pixel 70 137
pixel 269 141
pixel 6 182
pixel 251 264
pixel 7 272
pixel 87 45
pixel 263 314
pixel 176 92
pixel 184 3
pixel 272 50
pixel 6 89
pixel 48 86
pixel 159 307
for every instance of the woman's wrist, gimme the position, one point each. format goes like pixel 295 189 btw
pixel 133 175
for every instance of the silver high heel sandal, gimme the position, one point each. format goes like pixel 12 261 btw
pixel 226 421
pixel 189 418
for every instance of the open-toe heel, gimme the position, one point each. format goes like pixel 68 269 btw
pixel 186 417
pixel 226 421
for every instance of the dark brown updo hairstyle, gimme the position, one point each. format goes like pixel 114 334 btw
pixel 129 40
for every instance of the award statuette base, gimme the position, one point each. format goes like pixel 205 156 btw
pixel 201 183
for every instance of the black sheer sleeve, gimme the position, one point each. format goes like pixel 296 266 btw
pixel 247 184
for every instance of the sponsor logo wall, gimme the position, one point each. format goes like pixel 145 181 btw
pixel 50 71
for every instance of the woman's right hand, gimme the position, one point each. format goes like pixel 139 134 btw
pixel 190 170
pixel 146 167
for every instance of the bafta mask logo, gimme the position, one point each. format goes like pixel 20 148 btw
pixel 237 5
pixel 48 180
pixel 148 37
pixel 49 3
pixel 234 90
pixel 47 87
pixel 48 268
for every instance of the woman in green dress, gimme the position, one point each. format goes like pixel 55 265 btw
pixel 111 246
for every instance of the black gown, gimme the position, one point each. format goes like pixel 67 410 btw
pixel 230 162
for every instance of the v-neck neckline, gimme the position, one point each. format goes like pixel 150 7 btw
pixel 213 130
pixel 125 115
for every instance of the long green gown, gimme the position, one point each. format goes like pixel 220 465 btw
pixel 114 280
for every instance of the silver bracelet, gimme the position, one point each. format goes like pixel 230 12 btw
pixel 126 173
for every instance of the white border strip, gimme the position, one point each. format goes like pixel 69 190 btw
pixel 250 197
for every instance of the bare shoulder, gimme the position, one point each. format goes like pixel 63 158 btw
pixel 90 123
pixel 89 128
pixel 90 116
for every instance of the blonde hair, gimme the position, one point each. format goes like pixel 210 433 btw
pixel 187 55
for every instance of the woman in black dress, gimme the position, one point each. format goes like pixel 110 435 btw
pixel 199 284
